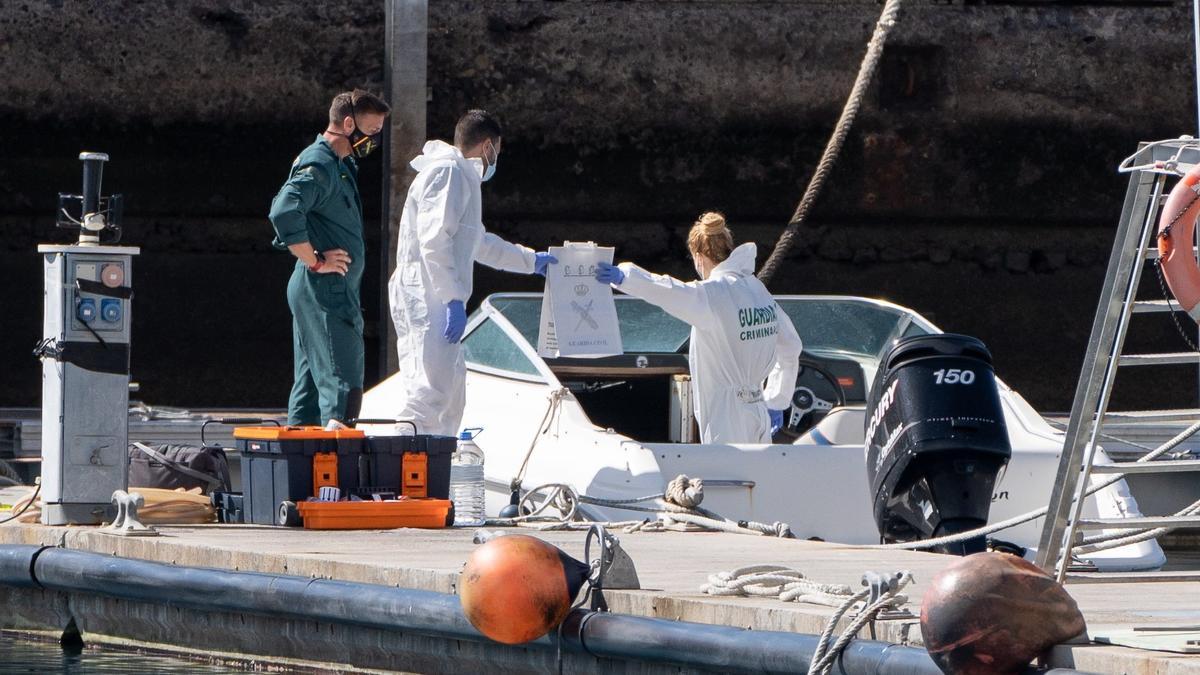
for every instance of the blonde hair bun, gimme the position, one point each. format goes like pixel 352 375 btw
pixel 712 222
pixel 710 236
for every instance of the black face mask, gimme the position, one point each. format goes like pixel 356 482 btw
pixel 361 144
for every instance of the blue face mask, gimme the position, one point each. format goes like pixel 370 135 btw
pixel 491 166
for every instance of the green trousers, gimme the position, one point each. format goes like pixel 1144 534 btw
pixel 328 353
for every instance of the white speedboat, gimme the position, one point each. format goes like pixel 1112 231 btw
pixel 621 427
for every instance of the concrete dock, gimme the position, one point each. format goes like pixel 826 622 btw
pixel 671 566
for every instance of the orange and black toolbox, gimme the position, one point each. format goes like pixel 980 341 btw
pixel 388 455
pixel 281 464
pixel 381 481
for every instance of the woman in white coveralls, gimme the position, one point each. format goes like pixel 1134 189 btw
pixel 740 339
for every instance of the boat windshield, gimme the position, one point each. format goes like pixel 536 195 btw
pixel 847 325
pixel 851 326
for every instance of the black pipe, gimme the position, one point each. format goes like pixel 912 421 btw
pixel 16 565
pixel 729 650
pixel 599 634
pixel 324 600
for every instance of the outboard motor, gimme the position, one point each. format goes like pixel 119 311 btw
pixel 936 440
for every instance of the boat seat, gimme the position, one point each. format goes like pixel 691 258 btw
pixel 842 426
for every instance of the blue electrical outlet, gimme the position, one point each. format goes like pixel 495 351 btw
pixel 110 310
pixel 85 311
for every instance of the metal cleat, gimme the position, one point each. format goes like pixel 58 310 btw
pixel 883 583
pixel 613 569
pixel 126 524
pixel 483 536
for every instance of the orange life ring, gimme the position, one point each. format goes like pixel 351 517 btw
pixel 1176 229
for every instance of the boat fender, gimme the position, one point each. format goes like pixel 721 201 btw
pixel 1176 228
pixel 517 588
pixel 994 613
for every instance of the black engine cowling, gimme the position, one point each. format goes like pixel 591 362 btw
pixel 935 439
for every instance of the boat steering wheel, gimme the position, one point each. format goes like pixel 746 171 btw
pixel 817 392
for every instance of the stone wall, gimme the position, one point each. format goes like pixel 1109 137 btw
pixel 977 187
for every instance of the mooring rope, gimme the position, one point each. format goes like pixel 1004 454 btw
pixel 790 585
pixel 775 581
pixel 887 21
pixel 554 401
pixel 826 654
pixel 1103 542
pixel 676 508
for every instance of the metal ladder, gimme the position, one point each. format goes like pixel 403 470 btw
pixel 1150 169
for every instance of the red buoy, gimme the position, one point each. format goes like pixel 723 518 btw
pixel 517 588
pixel 994 613
pixel 1176 230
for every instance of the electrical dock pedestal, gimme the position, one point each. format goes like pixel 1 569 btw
pixel 85 360
pixel 85 380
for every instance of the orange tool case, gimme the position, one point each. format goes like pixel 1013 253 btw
pixel 282 467
pixel 373 515
pixel 282 464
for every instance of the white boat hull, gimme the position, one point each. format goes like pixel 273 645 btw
pixel 820 490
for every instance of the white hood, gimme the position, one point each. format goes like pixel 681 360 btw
pixel 740 261
pixel 438 152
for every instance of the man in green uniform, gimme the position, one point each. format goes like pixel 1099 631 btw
pixel 317 215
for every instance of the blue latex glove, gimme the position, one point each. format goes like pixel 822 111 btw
pixel 609 274
pixel 456 321
pixel 776 420
pixel 541 261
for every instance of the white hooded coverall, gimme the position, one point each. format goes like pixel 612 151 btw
pixel 441 238
pixel 740 337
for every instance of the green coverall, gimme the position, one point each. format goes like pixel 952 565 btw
pixel 320 204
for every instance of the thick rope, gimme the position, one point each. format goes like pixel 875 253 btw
pixel 775 529
pixel 670 513
pixel 790 585
pixel 684 491
pixel 23 504
pixel 555 399
pixel 1038 513
pixel 887 21
pixel 775 581
pixel 1104 542
pixel 824 657
pixel 816 666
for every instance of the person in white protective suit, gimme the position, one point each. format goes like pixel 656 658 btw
pixel 740 336
pixel 441 238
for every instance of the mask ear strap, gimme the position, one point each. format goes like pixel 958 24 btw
pixel 353 115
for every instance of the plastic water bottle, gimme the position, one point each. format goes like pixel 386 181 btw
pixel 466 481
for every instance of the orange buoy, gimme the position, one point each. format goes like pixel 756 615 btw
pixel 994 613
pixel 517 588
pixel 1175 232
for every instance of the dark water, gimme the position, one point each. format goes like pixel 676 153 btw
pixel 47 658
